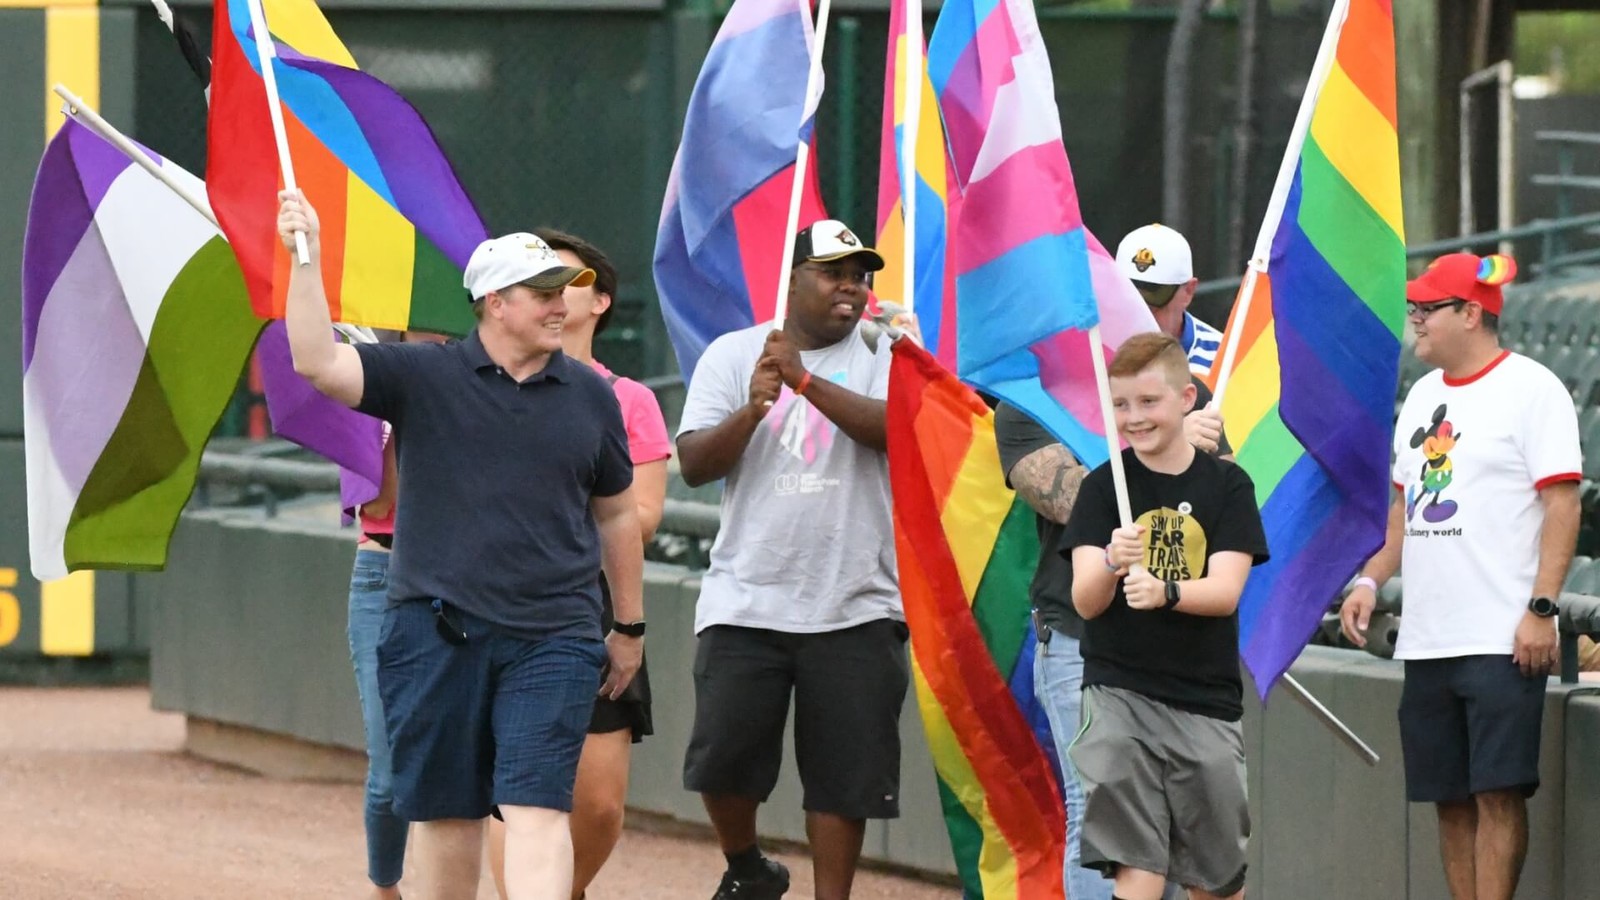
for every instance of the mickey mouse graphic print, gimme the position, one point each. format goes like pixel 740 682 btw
pixel 1471 456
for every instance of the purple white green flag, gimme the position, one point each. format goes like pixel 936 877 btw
pixel 135 327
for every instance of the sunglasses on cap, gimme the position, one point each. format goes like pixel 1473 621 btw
pixel 1156 295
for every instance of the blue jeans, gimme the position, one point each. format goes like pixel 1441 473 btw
pixel 1058 682
pixel 386 832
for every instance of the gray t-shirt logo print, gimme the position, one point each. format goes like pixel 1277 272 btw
pixel 793 436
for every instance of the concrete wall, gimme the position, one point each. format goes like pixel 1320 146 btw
pixel 248 640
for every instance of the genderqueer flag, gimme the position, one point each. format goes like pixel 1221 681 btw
pixel 135 327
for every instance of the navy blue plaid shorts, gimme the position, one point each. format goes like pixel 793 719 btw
pixel 484 720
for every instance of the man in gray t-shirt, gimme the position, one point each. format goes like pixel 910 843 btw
pixel 801 597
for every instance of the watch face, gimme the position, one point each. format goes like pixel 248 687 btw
pixel 1543 606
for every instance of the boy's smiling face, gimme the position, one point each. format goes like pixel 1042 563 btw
pixel 1150 410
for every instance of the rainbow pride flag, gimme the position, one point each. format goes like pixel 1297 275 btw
pixel 927 172
pixel 1030 278
pixel 1310 398
pixel 967 549
pixel 397 227
pixel 719 244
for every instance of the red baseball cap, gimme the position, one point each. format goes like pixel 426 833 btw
pixel 1463 276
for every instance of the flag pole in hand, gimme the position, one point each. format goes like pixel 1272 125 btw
pixel 802 158
pixel 267 55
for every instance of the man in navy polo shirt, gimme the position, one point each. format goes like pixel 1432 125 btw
pixel 514 494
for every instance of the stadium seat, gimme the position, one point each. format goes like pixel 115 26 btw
pixel 1539 314
pixel 1583 577
pixel 1411 369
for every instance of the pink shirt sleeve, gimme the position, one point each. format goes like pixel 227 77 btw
pixel 647 427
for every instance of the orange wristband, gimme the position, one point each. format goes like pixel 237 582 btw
pixel 805 382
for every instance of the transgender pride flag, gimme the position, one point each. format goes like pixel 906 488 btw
pixel 1030 278
pixel 719 247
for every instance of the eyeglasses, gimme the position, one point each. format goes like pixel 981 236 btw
pixel 1425 311
pixel 841 273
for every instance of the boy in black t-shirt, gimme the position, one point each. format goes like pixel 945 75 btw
pixel 1161 751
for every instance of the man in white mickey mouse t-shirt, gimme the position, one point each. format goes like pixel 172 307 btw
pixel 1487 465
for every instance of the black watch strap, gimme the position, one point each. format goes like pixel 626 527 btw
pixel 629 629
pixel 1172 595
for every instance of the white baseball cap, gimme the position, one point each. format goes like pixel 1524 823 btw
pixel 1155 254
pixel 520 258
pixel 829 239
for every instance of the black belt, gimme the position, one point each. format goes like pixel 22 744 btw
pixel 386 541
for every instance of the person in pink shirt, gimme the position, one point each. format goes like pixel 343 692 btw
pixel 601 791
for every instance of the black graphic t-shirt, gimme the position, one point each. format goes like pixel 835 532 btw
pixel 1187 661
pixel 1051 591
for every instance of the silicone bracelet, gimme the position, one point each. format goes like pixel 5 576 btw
pixel 1367 582
pixel 805 382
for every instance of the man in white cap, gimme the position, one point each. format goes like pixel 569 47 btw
pixel 515 491
pixel 801 598
pixel 1158 261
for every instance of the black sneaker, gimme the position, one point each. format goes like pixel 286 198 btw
pixel 770 884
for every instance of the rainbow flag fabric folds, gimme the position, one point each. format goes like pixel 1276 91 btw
pixel 397 227
pixel 927 167
pixel 967 549
pixel 1310 401
pixel 135 326
pixel 720 241
pixel 1030 278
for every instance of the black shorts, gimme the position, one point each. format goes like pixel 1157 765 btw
pixel 848 689
pixel 1469 725
pixel 632 709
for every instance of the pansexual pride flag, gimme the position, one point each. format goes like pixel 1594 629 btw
pixel 719 245
pixel 397 227
pixel 1030 278
pixel 967 549
pixel 135 326
pixel 927 165
pixel 1310 399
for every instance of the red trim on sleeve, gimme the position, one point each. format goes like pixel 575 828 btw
pixel 1399 487
pixel 1458 382
pixel 1543 483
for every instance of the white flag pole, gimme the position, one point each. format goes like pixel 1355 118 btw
pixel 1241 308
pixel 267 55
pixel 802 158
pixel 911 82
pixel 1108 417
pixel 1280 194
pixel 84 114
pixel 164 11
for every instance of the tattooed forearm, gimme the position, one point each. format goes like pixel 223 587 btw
pixel 1048 479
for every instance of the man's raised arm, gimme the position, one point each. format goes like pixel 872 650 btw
pixel 332 367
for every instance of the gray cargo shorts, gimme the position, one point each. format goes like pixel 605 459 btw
pixel 1164 790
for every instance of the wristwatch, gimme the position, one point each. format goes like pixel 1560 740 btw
pixel 1543 607
pixel 1172 594
pixel 629 629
